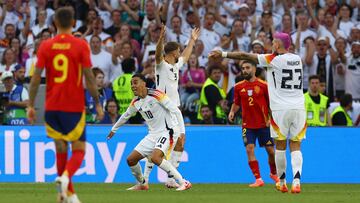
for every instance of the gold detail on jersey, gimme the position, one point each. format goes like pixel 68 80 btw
pixel 257 89
pixel 61 46
pixel 243 90
pixel 268 143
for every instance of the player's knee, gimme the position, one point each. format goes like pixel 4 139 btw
pixel 131 162
pixel 250 149
pixel 156 160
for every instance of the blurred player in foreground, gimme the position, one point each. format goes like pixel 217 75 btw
pixel 66 60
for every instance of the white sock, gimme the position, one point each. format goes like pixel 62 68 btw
pixel 175 158
pixel 136 171
pixel 280 161
pixel 296 162
pixel 148 168
pixel 171 170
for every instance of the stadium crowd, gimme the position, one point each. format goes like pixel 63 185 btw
pixel 123 35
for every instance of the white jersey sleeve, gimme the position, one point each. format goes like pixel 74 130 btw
pixel 174 110
pixel 131 110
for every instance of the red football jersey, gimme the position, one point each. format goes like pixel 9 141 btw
pixel 254 101
pixel 63 58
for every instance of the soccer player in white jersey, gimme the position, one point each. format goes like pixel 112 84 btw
pixel 284 77
pixel 165 124
pixel 167 80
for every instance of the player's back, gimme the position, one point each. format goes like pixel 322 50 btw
pixel 285 82
pixel 64 57
pixel 167 79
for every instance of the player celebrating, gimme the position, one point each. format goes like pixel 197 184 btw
pixel 284 73
pixel 65 59
pixel 164 129
pixel 167 80
pixel 252 95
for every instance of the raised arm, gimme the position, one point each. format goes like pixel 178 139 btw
pixel 234 55
pixel 131 110
pixel 188 50
pixel 159 46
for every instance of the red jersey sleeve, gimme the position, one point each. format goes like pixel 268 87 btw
pixel 41 55
pixel 237 97
pixel 85 59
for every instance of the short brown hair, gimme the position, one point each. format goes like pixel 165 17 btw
pixel 171 46
pixel 314 77
pixel 64 17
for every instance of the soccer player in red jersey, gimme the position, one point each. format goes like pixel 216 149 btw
pixel 66 60
pixel 252 95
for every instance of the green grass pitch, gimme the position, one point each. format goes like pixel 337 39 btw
pixel 207 193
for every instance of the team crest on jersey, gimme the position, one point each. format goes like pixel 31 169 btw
pixel 257 89
pixel 250 93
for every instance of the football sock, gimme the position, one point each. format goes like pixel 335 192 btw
pixel 175 160
pixel 171 171
pixel 148 168
pixel 254 166
pixel 280 161
pixel 74 162
pixel 272 166
pixel 61 159
pixel 296 162
pixel 71 188
pixel 136 171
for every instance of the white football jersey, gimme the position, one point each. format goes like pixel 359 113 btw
pixel 285 83
pixel 159 112
pixel 167 79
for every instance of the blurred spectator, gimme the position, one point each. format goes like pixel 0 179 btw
pixel 9 15
pixel 101 58
pixel 124 35
pixel 111 112
pixel 340 116
pixel 38 27
pixel 267 24
pixel 208 36
pixel 10 32
pixel 116 22
pixel 8 61
pixel 30 63
pixel 192 80
pixel 344 18
pixel 242 39
pixel 340 66
pixel 322 64
pixel 352 72
pixel 151 16
pixel 121 52
pixel 316 104
pixel 39 6
pixel 96 29
pixel 19 75
pixel 133 16
pixel 149 43
pixel 175 34
pixel 92 14
pixel 286 24
pixel 302 33
pixel 208 117
pixel 199 52
pixel 213 96
pixel 104 94
pixel 104 9
pixel 18 97
pixel 354 34
pixel 21 54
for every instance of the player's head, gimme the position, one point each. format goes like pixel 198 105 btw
pixel 128 65
pixel 215 72
pixel 346 101
pixel 138 84
pixel 172 49
pixel 314 83
pixel 64 18
pixel 281 41
pixel 248 69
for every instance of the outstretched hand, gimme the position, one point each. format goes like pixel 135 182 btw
pixel 162 31
pixel 215 54
pixel 195 33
